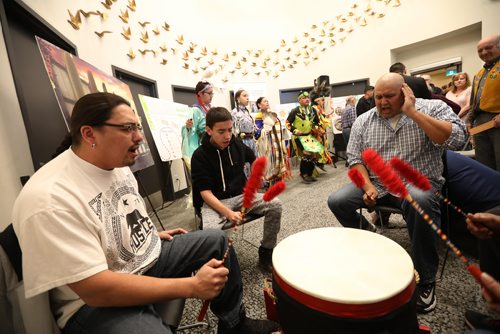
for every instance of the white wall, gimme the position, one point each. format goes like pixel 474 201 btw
pixel 366 51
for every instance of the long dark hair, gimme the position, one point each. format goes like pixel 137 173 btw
pixel 91 109
pixel 236 96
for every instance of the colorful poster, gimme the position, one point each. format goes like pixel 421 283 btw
pixel 165 121
pixel 72 78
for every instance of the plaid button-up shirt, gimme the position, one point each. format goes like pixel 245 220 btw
pixel 407 141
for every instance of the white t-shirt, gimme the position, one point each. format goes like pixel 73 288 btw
pixel 74 220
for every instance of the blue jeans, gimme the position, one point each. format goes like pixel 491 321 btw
pixel 178 258
pixel 346 201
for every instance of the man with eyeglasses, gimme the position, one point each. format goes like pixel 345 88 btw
pixel 87 239
pixel 194 129
pixel 300 122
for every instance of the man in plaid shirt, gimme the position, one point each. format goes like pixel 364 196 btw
pixel 417 131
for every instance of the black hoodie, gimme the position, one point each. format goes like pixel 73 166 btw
pixel 220 171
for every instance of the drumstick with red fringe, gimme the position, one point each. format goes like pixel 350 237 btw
pixel 251 187
pixel 395 186
pixel 419 180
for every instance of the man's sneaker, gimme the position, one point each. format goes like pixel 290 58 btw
pixel 426 299
pixel 266 259
pixel 250 326
pixel 476 320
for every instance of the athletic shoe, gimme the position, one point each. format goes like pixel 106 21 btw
pixel 476 320
pixel 251 326
pixel 426 299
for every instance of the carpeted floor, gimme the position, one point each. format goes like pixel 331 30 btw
pixel 304 207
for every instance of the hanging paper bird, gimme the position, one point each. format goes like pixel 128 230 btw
pixel 126 33
pixel 102 33
pixel 124 16
pixel 75 20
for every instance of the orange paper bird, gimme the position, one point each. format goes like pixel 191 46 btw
pixel 102 33
pixel 124 16
pixel 131 5
pixel 156 31
pixel 131 54
pixel 144 37
pixel 126 33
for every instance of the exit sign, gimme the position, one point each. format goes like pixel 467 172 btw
pixel 449 73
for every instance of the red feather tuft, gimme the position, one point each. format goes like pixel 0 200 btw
pixel 274 191
pixel 254 181
pixel 385 173
pixel 356 177
pixel 410 174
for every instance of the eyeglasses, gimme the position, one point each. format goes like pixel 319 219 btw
pixel 211 93
pixel 129 127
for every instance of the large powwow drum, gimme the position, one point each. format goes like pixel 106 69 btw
pixel 343 280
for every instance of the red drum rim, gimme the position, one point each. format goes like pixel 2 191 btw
pixel 354 311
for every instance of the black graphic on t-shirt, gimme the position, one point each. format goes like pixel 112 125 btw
pixel 140 228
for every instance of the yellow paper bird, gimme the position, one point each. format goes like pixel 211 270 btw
pixel 185 56
pixel 298 53
pixel 124 16
pixel 186 66
pixel 174 50
pixel 387 2
pixel 75 20
pixel 204 51
pixel 357 19
pixel 131 54
pixel 197 58
pixel 381 15
pixel 264 65
pixel 156 31
pixel 244 72
pixel 195 70
pixel 288 50
pixel 180 39
pixel 341 29
pixel 283 43
pixel 368 8
pixel 144 37
pixel 312 39
pixel 306 63
pixel 312 49
pixel 325 23
pixel 306 54
pixel 166 26
pixel 225 80
pixel 397 3
pixel 267 58
pixel 276 62
pixel 305 46
pixel 102 33
pixel 131 5
pixel 203 68
pixel 238 66
pixel 295 40
pixel 163 47
pixel 342 39
pixel 323 33
pixel 268 72
pixel 350 14
pixel 164 61
pixel 214 52
pixel 107 4
pixel 363 22
pixel 276 75
pixel 211 61
pixel 351 29
pixel 126 33
pixel 144 24
pixel 343 20
pixel 192 45
pixel 320 42
pixel 315 58
pixel 190 49
pixel 276 51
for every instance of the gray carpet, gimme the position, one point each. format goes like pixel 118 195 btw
pixel 304 207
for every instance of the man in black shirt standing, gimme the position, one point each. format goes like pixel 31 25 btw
pixel 366 102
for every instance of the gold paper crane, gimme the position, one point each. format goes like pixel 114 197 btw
pixel 144 51
pixel 325 23
pixel 312 39
pixel 225 79
pixel 166 26
pixel 203 68
pixel 131 5
pixel 244 72
pixel 253 64
pixel 144 24
pixel 323 33
pixel 156 31
pixel 195 70
pixel 363 22
pixel 381 15
pixel 295 40
pixel 357 19
pixel 131 54
pixel 75 20
pixel 268 72
pixel 221 66
pixel 323 50
pixel 341 29
pixel 238 66
pixel 276 62
pixel 225 58
pixel 234 53
pixel 124 16
pixel 387 2
pixel 306 54
pixel 107 4
pixel 305 46
pixel 315 58
pixel 298 53
pixel 342 39
pixel 283 43
pixel 174 50
pixel 264 65
pixel 276 75
pixel 90 13
pixel 102 33
pixel 276 50
pixel 350 14
pixel 192 45
pixel 204 51
pixel 343 20
pixel 294 62
pixel 185 56
pixel 290 66
pixel 397 3
pixel 338 17
pixel 257 73
pixel 163 47
pixel 354 6
pixel 144 37
pixel 186 66
pixel 211 61
pixel 244 59
pixel 306 63
pixel 164 61
pixel 197 58
pixel 232 71
pixel 351 29
pixel 368 8
pixel 126 33
pixel 306 34
pixel 267 58
pixel 191 48
pixel 331 34
pixel 314 26
pixel 214 52
pixel 180 39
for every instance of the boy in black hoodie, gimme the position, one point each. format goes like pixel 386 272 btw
pixel 218 182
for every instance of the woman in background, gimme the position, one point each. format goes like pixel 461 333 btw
pixel 270 142
pixel 243 122
pixel 460 93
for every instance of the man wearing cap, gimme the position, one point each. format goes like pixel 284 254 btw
pixel 300 122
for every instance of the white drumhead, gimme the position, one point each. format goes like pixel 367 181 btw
pixel 343 265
